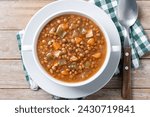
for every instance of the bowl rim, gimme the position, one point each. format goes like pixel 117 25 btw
pixel 41 68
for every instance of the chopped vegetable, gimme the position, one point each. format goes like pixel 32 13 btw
pixel 87 64
pixel 51 71
pixel 54 68
pixel 63 35
pixel 98 34
pixel 62 62
pixel 83 75
pixel 75 34
pixel 72 26
pixel 52 31
pixel 73 58
pixel 61 30
pixel 73 65
pixel 97 55
pixel 64 72
pixel 56 45
pixel 50 42
pixel 89 33
pixel 83 31
pixel 49 56
pixel 55 64
pixel 78 40
pixel 57 53
pixel 64 26
pixel 90 41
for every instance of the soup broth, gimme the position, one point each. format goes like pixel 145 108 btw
pixel 71 48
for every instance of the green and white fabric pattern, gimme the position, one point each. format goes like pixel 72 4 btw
pixel 139 42
pixel 32 84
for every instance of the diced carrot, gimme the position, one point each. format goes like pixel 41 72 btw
pixel 97 55
pixel 64 26
pixel 78 39
pixel 56 45
pixel 73 58
pixel 56 63
pixel 89 33
pixel 64 72
pixel 52 31
pixel 90 41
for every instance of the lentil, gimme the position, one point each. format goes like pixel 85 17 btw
pixel 71 48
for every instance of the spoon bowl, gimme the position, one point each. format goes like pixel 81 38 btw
pixel 127 12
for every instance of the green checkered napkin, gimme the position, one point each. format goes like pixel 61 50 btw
pixel 32 84
pixel 139 41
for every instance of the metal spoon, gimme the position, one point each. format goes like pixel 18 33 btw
pixel 127 13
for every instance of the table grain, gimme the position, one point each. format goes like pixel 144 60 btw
pixel 14 16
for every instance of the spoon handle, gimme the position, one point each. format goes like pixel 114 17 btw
pixel 126 88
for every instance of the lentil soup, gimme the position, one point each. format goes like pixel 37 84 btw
pixel 71 48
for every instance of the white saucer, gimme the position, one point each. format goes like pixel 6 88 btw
pixel 50 86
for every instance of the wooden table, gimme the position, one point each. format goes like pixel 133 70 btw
pixel 14 15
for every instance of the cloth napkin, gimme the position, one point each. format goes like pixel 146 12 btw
pixel 139 42
pixel 32 84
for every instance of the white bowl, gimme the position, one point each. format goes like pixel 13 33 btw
pixel 75 84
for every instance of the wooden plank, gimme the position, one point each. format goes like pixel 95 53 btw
pixel 103 94
pixel 23 94
pixel 148 34
pixel 12 76
pixel 106 94
pixel 16 14
pixel 140 77
pixel 8 45
pixel 115 94
pixel 144 15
